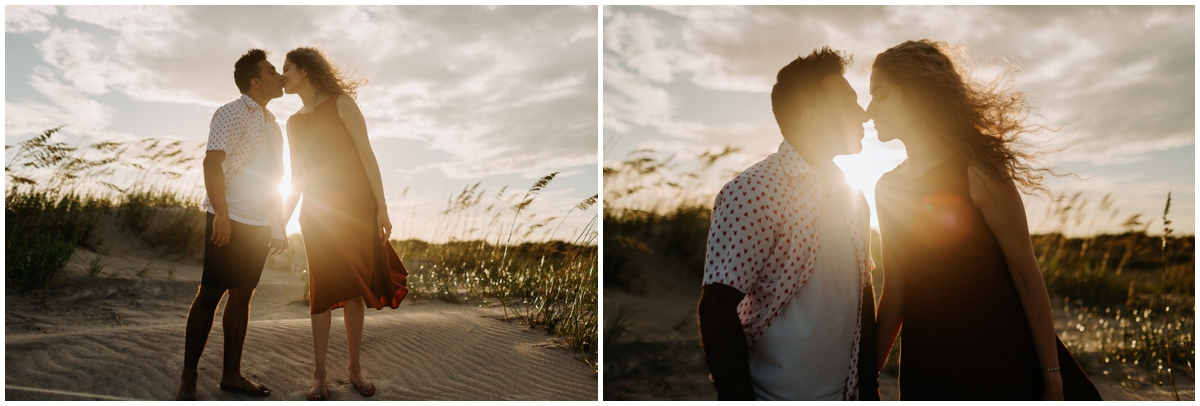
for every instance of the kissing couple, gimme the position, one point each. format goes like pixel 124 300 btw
pixel 787 310
pixel 344 219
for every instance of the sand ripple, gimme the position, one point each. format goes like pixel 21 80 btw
pixel 429 351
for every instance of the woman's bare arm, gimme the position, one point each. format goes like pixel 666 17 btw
pixel 1004 212
pixel 356 125
pixel 889 318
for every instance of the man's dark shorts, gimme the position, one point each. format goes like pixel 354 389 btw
pixel 240 262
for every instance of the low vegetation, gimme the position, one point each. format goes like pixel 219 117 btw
pixel 1129 298
pixel 491 255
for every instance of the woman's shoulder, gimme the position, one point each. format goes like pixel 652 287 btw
pixel 345 104
pixel 988 185
pixel 344 100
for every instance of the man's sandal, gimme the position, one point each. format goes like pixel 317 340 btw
pixel 260 392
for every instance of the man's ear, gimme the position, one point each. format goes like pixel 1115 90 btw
pixel 810 118
pixel 255 83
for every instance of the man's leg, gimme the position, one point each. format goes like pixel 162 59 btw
pixel 199 323
pixel 235 322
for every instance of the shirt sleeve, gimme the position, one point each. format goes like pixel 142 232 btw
pixel 740 236
pixel 222 129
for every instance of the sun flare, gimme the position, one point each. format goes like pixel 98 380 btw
pixel 285 188
pixel 865 168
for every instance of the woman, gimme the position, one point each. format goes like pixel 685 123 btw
pixel 959 269
pixel 344 218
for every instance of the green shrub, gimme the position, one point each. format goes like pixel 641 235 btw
pixel 41 232
pixel 34 257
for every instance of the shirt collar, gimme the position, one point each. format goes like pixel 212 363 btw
pixel 249 102
pixel 793 163
pixel 253 105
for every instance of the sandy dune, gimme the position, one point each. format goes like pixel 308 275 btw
pixel 430 351
pixel 103 338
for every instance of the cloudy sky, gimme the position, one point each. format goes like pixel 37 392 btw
pixel 457 95
pixel 684 80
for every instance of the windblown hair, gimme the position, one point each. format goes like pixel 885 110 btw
pixel 987 121
pixel 326 77
pixel 246 68
pixel 798 85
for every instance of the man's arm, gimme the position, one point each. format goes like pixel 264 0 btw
pixel 724 342
pixel 214 184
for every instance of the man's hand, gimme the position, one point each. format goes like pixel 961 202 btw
pixel 277 246
pixel 724 342
pixel 214 185
pixel 221 230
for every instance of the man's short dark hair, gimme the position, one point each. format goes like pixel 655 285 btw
pixel 798 85
pixel 246 68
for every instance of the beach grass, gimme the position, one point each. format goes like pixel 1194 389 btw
pixel 491 252
pixel 96 266
pixel 1128 298
pixel 58 192
pixel 549 283
pixel 42 229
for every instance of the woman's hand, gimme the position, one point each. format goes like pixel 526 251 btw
pixel 383 224
pixel 1054 385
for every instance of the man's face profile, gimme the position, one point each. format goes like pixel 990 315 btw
pixel 269 79
pixel 841 117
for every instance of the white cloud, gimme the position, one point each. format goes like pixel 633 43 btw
pixel 1108 73
pixel 636 39
pixel 27 18
pixel 634 102
pixel 503 90
pixel 80 112
pixel 1119 80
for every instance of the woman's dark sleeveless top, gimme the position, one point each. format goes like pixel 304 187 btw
pixel 346 257
pixel 965 335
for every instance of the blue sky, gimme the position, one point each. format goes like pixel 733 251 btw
pixel 1119 80
pixel 457 95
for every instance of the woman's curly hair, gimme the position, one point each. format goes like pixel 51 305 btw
pixel 326 77
pixel 984 120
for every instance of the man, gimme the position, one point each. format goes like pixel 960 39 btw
pixel 787 307
pixel 242 170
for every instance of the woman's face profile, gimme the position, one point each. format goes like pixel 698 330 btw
pixel 890 110
pixel 292 78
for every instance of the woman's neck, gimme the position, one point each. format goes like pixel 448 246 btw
pixel 928 150
pixel 309 96
pixel 924 154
